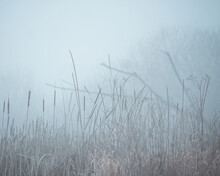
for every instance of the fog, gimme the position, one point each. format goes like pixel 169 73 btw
pixel 36 36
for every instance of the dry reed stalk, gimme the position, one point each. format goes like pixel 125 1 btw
pixel 54 108
pixel 28 105
pixel 138 77
pixel 177 75
pixel 69 112
pixel 43 105
pixel 29 97
pixel 122 149
pixel 168 121
pixel 43 110
pixel 54 98
pixel 12 128
pixel 76 87
pixel 3 115
pixel 8 115
pixel 84 109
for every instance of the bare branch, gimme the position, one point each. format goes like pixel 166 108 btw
pixel 80 90
pixel 138 77
pixel 177 74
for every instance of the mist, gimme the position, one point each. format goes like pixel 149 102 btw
pixel 114 87
pixel 36 38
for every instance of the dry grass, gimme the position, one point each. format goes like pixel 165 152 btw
pixel 120 136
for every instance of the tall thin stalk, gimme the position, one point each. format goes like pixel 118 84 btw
pixel 8 115
pixel 3 115
pixel 28 105
pixel 54 108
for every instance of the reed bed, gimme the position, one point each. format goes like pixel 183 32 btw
pixel 118 135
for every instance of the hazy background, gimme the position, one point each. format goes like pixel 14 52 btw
pixel 35 37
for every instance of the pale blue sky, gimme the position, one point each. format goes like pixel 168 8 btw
pixel 35 36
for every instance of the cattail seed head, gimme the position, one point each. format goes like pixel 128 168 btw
pixel 29 97
pixel 43 105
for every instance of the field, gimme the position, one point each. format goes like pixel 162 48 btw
pixel 121 135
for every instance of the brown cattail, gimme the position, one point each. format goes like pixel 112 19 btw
pixel 43 105
pixel 12 127
pixel 29 97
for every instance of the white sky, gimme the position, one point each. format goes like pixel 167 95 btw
pixel 35 36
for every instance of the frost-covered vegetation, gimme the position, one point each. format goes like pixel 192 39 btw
pixel 121 132
pixel 121 135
